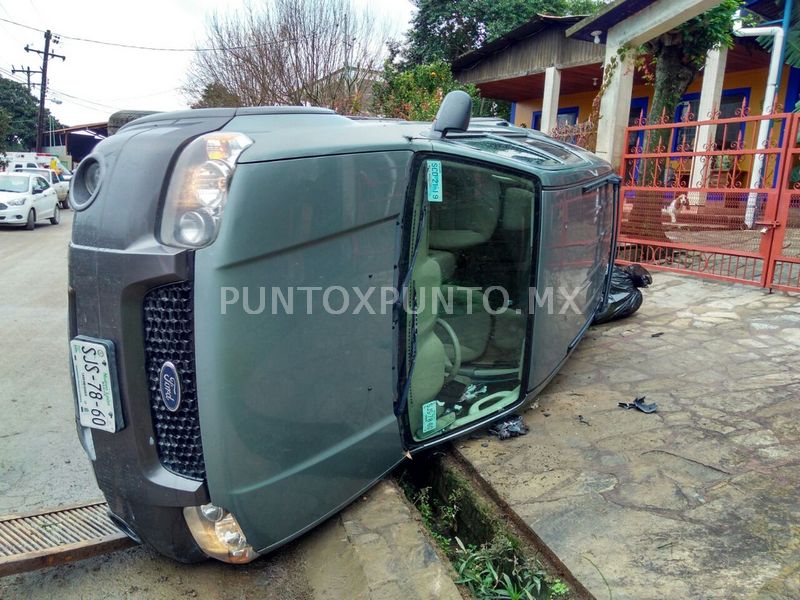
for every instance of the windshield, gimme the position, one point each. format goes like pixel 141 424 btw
pixel 13 183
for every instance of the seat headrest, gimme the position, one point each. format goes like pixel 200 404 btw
pixel 469 212
pixel 517 209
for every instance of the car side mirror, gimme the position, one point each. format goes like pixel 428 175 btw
pixel 37 191
pixel 453 114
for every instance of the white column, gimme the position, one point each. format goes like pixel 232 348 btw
pixel 552 89
pixel 615 106
pixel 710 98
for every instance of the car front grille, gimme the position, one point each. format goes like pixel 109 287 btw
pixel 169 336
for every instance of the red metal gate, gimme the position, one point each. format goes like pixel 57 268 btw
pixel 690 202
pixel 784 267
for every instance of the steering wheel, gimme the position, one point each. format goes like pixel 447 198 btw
pixel 455 365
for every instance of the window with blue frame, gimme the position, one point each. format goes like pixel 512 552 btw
pixel 638 110
pixel 728 136
pixel 565 116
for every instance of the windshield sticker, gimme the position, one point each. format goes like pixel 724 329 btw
pixel 429 416
pixel 435 181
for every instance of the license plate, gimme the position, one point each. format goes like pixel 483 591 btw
pixel 93 368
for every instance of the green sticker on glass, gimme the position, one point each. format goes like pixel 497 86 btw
pixel 435 181
pixel 429 416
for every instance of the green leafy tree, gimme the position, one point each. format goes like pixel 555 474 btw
pixel 415 93
pixel 672 60
pixel 21 109
pixel 5 130
pixel 792 56
pixel 446 29
pixel 215 95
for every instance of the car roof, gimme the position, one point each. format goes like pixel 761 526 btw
pixel 284 132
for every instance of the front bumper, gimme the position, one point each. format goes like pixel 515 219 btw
pixel 107 294
pixel 14 215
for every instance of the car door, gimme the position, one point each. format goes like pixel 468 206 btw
pixel 49 199
pixel 466 313
pixel 38 187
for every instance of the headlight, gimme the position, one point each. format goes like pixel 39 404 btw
pixel 84 186
pixel 92 177
pixel 16 201
pixel 198 189
pixel 218 534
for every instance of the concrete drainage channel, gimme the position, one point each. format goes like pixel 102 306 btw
pixel 493 553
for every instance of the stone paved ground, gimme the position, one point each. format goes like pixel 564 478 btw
pixel 700 500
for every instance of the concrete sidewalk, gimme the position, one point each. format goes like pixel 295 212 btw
pixel 699 500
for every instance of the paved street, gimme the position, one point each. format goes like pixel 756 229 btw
pixel 373 549
pixel 699 500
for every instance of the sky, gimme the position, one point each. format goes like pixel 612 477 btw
pixel 96 80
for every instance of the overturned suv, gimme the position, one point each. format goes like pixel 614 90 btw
pixel 271 307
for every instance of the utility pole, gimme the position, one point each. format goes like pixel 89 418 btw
pixel 28 72
pixel 46 54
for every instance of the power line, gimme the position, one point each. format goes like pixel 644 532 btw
pixel 151 48
pixel 77 100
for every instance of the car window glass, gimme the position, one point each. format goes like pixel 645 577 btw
pixel 511 150
pixel 13 183
pixel 468 299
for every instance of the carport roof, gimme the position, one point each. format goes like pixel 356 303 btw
pixel 526 30
pixel 605 18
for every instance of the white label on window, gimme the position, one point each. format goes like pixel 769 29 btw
pixel 435 181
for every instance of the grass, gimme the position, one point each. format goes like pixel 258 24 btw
pixel 489 561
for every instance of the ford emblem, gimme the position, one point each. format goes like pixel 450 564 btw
pixel 170 385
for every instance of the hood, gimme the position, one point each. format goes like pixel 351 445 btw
pixel 11 195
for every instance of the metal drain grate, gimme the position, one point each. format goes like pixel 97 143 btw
pixel 46 539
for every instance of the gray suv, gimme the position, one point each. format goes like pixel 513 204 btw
pixel 271 307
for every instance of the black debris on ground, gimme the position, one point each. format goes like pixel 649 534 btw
pixel 639 404
pixel 511 427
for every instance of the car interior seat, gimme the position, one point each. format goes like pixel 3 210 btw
pixel 464 221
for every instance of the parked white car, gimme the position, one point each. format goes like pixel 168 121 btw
pixel 60 185
pixel 26 198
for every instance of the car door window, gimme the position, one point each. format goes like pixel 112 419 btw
pixel 468 297
pixel 41 185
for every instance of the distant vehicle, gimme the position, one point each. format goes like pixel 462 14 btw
pixel 35 160
pixel 26 198
pixel 60 185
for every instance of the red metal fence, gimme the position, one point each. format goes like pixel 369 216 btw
pixel 581 134
pixel 719 198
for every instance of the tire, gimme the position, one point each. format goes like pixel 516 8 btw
pixel 30 224
pixel 56 218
